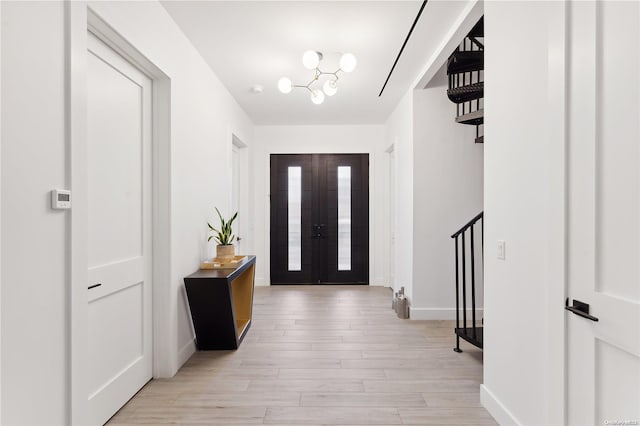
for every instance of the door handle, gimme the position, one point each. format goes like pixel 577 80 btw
pixel 317 231
pixel 94 286
pixel 580 308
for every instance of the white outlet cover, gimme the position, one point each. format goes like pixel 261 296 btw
pixel 501 249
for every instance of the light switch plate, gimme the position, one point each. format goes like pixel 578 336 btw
pixel 501 249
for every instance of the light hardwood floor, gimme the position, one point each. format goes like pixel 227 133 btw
pixel 323 355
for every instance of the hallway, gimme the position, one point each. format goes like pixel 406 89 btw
pixel 323 355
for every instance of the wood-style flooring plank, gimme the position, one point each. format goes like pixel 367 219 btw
pixel 333 415
pixel 306 385
pixel 446 416
pixel 362 399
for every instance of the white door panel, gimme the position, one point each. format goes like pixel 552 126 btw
pixel 116 199
pixel 105 332
pixel 603 175
pixel 119 269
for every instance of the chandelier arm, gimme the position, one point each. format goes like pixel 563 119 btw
pixel 335 74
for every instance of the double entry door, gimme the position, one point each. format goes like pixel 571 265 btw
pixel 319 219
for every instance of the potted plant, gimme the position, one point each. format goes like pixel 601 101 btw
pixel 224 237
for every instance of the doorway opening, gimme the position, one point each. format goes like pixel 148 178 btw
pixel 239 190
pixel 319 219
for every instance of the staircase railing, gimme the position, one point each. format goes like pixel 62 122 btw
pixel 465 69
pixel 472 334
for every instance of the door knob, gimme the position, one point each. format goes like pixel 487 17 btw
pixel 317 231
pixel 580 308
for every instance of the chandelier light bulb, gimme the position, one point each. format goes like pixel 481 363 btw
pixel 330 87
pixel 311 59
pixel 348 62
pixel 284 85
pixel 317 97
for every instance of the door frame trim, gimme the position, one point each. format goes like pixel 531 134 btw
pixel 0 217
pixel 80 19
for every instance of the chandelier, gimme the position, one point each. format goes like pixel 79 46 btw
pixel 311 60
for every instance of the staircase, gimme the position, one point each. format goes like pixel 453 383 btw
pixel 468 251
pixel 465 71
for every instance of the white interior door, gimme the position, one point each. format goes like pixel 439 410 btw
pixel 119 295
pixel 603 161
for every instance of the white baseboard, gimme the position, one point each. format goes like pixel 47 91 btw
pixel 431 314
pixel 185 352
pixel 499 412
pixel 261 282
pixel 379 282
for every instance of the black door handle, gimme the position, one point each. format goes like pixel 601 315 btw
pixel 580 308
pixel 94 286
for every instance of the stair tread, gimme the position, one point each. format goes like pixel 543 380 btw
pixel 474 117
pixel 469 92
pixel 465 61
pixel 478 29
pixel 467 334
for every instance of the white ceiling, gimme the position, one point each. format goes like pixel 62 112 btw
pixel 258 42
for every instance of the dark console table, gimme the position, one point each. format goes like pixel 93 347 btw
pixel 221 302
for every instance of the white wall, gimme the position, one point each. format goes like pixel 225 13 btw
pixel 523 199
pixel 34 271
pixel 399 131
pixel 35 306
pixel 447 193
pixel 365 139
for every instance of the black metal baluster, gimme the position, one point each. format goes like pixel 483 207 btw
pixel 457 348
pixel 478 100
pixel 482 224
pixel 464 284
pixel 473 285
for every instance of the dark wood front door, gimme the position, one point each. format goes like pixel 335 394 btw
pixel 320 219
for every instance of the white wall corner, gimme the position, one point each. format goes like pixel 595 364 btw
pixel 499 412
pixel 186 351
pixel 441 314
pixel 465 22
pixel 261 282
